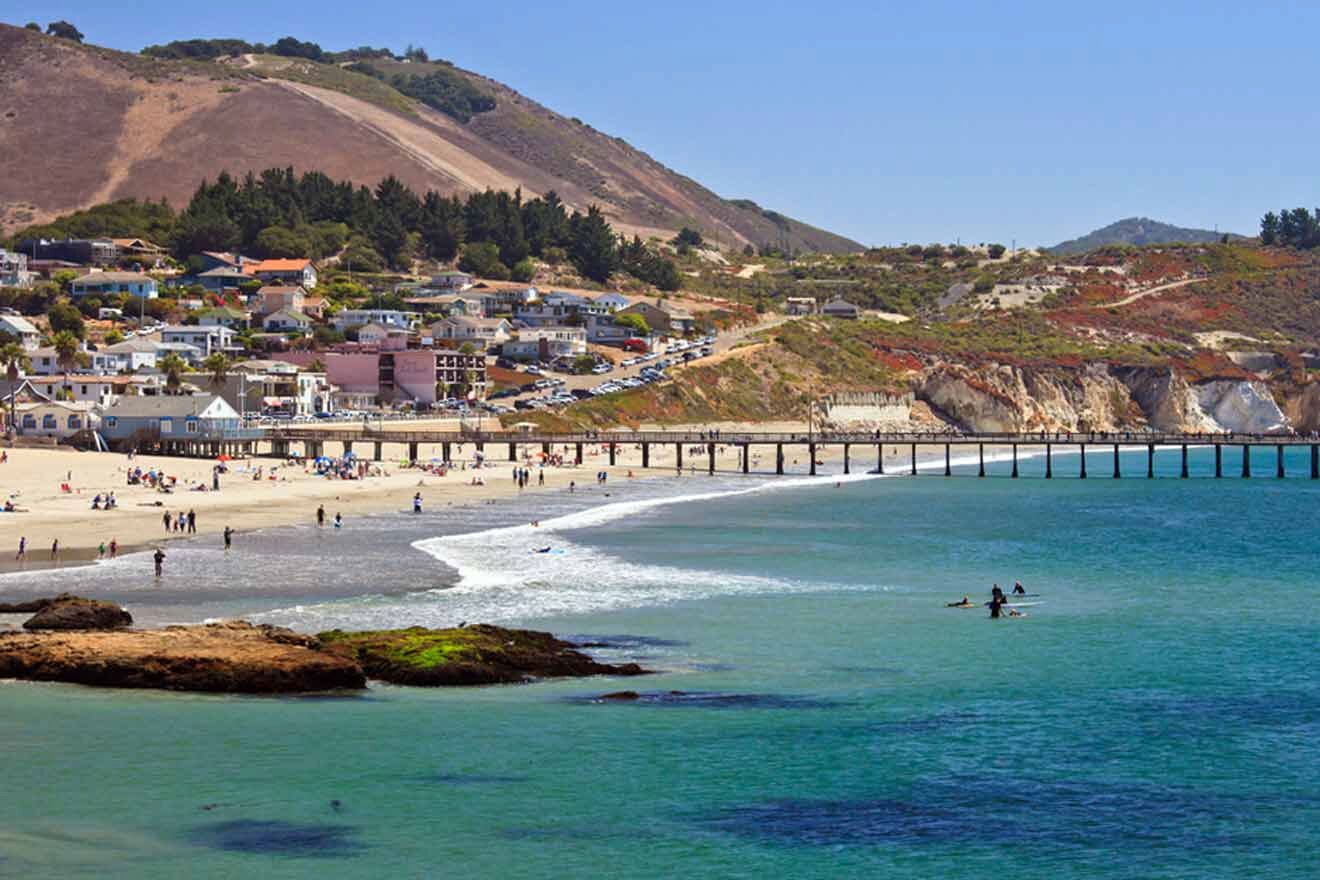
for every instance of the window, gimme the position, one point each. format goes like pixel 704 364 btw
pixel 111 421
pixel 84 391
pixel 193 426
pixel 166 426
pixel 29 421
pixel 49 422
pixel 75 423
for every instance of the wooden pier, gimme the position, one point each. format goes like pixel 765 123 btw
pixel 311 442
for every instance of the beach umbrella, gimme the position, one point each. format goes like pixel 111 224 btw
pixel 222 457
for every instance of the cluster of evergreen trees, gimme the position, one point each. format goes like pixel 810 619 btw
pixel 1297 228
pixel 279 213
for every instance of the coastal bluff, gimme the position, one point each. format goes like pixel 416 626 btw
pixel 83 641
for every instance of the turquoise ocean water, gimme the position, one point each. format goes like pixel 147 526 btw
pixel 1157 715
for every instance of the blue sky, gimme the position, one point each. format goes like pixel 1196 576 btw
pixel 889 122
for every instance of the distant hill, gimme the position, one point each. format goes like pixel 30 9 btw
pixel 81 125
pixel 1136 231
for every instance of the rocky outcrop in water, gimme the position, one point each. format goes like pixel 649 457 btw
pixel 69 612
pixel 233 657
pixel 474 655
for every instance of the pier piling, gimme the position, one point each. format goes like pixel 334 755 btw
pixel 646 455
pixel 678 453
pixel 613 449
pixel 1049 462
pixel 710 450
pixel 1219 461
pixel 1278 462
pixel 947 471
pixel 914 459
pixel 779 459
pixel 846 464
pixel 1246 461
pixel 980 455
pixel 1150 461
pixel 1082 475
pixel 513 452
pixel 379 452
pixel 1315 462
pixel 1015 470
pixel 1183 474
pixel 746 458
pixel 880 458
pixel 1117 473
pixel 811 453
pixel 578 454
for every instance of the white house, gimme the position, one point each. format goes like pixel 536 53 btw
pixel 484 332
pixel 138 353
pixel 297 271
pixel 22 329
pixel 55 418
pixel 451 281
pixel 384 317
pixel 613 301
pixel 287 321
pixel 547 343
pixel 13 269
pixel 207 340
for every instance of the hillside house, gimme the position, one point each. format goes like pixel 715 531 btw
pixel 221 279
pixel 800 305
pixel 138 353
pixel 613 302
pixel 14 269
pixel 451 281
pixel 840 308
pixel 547 343
pixel 292 272
pixel 275 297
pixel 663 319
pixel 105 284
pixel 481 332
pixel 383 337
pixel 287 321
pixel 207 340
pixel 348 318
pixel 83 251
pixel 224 316
pixel 21 329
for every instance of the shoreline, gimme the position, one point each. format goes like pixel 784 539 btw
pixel 251 506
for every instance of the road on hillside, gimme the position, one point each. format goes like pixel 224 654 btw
pixel 725 342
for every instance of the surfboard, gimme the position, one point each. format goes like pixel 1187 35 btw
pixel 1015 604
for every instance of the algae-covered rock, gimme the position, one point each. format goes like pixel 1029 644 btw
pixel 474 655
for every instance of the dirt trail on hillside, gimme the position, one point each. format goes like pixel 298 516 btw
pixel 421 143
pixel 1142 294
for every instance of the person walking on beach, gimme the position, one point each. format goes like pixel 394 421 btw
pixel 339 520
pixel 114 548
pixel 55 550
pixel 100 551
pixel 417 503
pixel 22 550
pixel 320 515
pixel 166 519
pixel 159 558
pixel 229 538
pixel 540 478
pixel 192 522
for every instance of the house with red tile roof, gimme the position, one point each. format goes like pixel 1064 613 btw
pixel 292 272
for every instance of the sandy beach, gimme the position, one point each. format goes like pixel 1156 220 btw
pixel 291 493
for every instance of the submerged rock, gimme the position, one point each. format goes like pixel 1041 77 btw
pixel 234 657
pixel 473 655
pixel 68 612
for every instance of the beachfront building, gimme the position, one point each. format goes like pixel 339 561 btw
pixel 56 419
pixel 104 284
pixel 140 421
pixel 269 386
pixel 419 376
pixel 89 388
pixel 547 343
pixel 294 272
pixel 21 329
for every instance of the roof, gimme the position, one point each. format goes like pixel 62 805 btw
pixel 291 313
pixel 92 379
pixel 223 312
pixel 837 303
pixel 19 323
pixel 113 278
pixel 452 273
pixel 196 328
pixel 140 243
pixel 223 272
pixel 281 289
pixel 465 321
pixel 161 406
pixel 275 266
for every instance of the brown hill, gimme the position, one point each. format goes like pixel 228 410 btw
pixel 81 125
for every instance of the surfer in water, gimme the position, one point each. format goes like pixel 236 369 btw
pixel 996 594
pixel 995 605
pixel 542 550
pixel 965 603
pixel 1018 589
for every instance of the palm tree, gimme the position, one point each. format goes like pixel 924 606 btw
pixel 217 364
pixel 66 349
pixel 173 367
pixel 15 360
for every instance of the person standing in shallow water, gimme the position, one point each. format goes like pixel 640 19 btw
pixel 320 515
pixel 229 538
pixel 159 558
